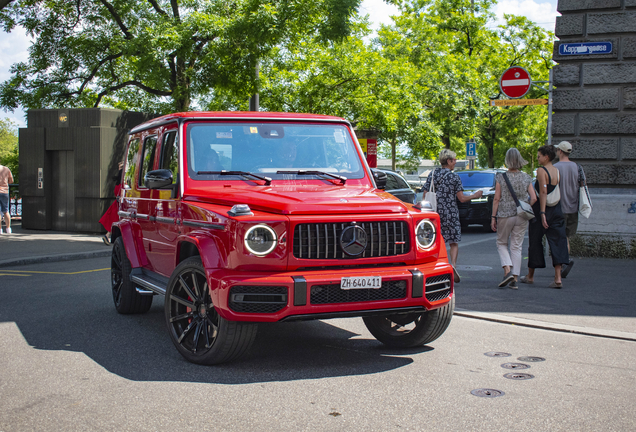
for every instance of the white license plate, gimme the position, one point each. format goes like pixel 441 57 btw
pixel 363 282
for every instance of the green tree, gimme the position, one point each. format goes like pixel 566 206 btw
pixel 460 57
pixel 155 55
pixel 9 146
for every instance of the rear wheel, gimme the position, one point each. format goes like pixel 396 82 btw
pixel 411 330
pixel 127 299
pixel 198 332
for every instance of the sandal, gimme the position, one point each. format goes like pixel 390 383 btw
pixel 456 277
pixel 557 285
pixel 525 280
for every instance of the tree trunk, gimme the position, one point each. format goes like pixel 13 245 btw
pixel 446 140
pixel 393 151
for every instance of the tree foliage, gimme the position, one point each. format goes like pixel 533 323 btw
pixel 155 55
pixel 9 146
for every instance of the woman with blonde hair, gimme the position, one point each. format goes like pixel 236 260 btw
pixel 449 189
pixel 510 227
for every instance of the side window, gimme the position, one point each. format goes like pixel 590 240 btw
pixel 170 154
pixel 401 183
pixel 148 158
pixel 131 162
pixel 391 182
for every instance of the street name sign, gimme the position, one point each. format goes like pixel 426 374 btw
pixel 518 102
pixel 515 82
pixel 585 48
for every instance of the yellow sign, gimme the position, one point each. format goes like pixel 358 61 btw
pixel 518 102
pixel 363 144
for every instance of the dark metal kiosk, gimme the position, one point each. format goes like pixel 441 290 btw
pixel 68 158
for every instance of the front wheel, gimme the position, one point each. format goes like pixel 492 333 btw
pixel 411 330
pixel 198 332
pixel 127 299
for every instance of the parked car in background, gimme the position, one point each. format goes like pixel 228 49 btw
pixel 477 211
pixel 397 186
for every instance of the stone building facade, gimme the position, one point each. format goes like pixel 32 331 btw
pixel 595 109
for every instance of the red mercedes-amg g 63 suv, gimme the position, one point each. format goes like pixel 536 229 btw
pixel 245 217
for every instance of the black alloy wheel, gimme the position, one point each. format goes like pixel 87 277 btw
pixel 127 299
pixel 198 332
pixel 411 330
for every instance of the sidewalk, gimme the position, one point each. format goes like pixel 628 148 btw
pixel 598 298
pixel 31 247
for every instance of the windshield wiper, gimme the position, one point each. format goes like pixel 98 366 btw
pixel 316 173
pixel 267 180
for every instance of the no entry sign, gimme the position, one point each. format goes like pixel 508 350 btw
pixel 515 82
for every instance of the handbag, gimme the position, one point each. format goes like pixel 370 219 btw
pixel 585 203
pixel 524 210
pixel 430 196
pixel 553 197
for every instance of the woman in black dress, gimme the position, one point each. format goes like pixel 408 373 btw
pixel 449 189
pixel 551 222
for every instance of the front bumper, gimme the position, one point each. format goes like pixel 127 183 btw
pixel 303 295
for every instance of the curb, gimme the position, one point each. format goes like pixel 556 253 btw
pixel 586 331
pixel 55 258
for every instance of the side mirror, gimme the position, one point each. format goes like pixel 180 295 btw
pixel 158 179
pixel 380 178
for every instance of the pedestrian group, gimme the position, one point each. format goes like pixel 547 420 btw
pixel 546 208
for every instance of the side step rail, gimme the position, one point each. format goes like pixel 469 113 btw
pixel 148 282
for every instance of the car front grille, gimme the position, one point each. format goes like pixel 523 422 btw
pixel 329 294
pixel 322 240
pixel 438 287
pixel 257 299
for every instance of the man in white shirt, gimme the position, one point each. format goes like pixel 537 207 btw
pixel 569 187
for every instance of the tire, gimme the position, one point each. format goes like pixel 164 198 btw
pixel 198 332
pixel 411 330
pixel 127 299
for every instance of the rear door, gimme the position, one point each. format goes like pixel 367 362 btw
pixel 166 206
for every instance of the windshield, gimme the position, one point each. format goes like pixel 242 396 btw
pixel 267 148
pixel 477 179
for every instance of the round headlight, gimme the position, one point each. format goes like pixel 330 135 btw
pixel 260 240
pixel 425 234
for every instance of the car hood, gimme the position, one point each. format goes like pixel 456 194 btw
pixel 302 199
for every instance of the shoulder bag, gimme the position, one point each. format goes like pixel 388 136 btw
pixel 585 203
pixel 553 197
pixel 524 210
pixel 430 196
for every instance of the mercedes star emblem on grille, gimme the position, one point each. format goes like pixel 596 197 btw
pixel 353 240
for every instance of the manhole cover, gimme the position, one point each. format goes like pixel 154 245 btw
pixel 497 354
pixel 472 268
pixel 531 359
pixel 515 366
pixel 487 393
pixel 518 376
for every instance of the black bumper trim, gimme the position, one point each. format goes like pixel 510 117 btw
pixel 349 314
pixel 417 284
pixel 300 291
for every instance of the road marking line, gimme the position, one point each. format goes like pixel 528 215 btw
pixel 17 272
pixel 13 274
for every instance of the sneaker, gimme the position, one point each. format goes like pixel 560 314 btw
pixel 506 279
pixel 566 269
pixel 8 230
pixel 513 285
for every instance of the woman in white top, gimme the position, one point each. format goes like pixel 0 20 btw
pixel 505 221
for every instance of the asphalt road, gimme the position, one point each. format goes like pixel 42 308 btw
pixel 69 362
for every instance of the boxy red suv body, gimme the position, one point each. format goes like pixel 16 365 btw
pixel 240 218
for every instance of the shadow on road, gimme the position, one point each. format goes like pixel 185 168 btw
pixel 137 347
